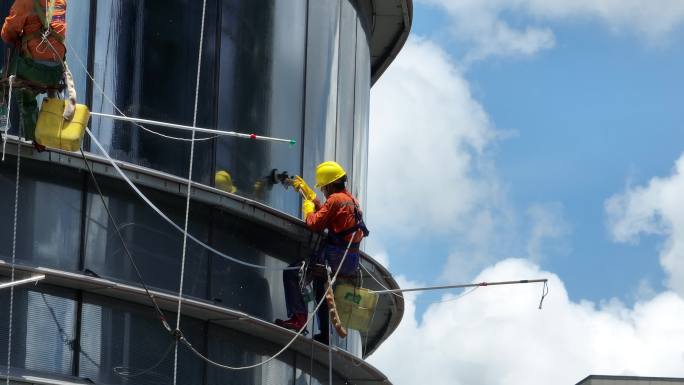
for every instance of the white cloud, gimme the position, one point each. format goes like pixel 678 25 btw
pixel 496 335
pixel 482 22
pixel 427 136
pixel 657 208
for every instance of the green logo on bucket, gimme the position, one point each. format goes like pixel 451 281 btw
pixel 352 298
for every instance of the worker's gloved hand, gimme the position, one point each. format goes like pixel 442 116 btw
pixel 300 185
pixel 308 207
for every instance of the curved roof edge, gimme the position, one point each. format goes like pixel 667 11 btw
pixel 390 23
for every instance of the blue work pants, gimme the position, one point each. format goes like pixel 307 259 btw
pixel 330 255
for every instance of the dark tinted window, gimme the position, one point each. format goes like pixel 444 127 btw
pixel 42 328
pixel 123 343
pixel 48 214
pixel 155 245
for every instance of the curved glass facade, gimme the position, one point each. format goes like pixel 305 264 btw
pixel 112 341
pixel 296 69
pixel 61 332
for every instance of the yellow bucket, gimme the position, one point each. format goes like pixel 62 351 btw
pixel 355 306
pixel 52 130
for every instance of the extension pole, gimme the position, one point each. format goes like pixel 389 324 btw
pixel 460 286
pixel 35 278
pixel 189 128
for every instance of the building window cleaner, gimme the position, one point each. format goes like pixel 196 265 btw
pixel 36 29
pixel 341 216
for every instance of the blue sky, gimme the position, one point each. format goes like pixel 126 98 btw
pixel 542 138
pixel 594 113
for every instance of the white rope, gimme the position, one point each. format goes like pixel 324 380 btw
pixel 166 218
pixel 281 351
pixel 111 102
pixel 7 120
pixel 187 201
pixel 14 254
pixel 378 282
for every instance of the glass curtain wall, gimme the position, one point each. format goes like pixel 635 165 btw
pixel 48 220
pixel 61 332
pixel 261 88
pixel 362 111
pixel 294 69
pixel 146 55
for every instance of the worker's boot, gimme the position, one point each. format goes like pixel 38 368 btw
pixel 297 322
pixel 323 338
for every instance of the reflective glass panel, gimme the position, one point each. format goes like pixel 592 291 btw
pixel 48 214
pixel 361 114
pixel 261 86
pixel 42 328
pixel 255 291
pixel 156 246
pixel 321 84
pixel 123 343
pixel 236 349
pixel 345 86
pixel 146 55
pixel 78 22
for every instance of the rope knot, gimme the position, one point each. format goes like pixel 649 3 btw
pixel 177 334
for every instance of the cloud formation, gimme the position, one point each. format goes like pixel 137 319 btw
pixel 497 336
pixel 483 24
pixel 427 136
pixel 656 208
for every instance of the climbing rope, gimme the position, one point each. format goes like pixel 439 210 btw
pixel 182 338
pixel 160 313
pixel 7 118
pixel 187 200
pixel 14 255
pixel 167 219
pixel 177 333
pixel 398 295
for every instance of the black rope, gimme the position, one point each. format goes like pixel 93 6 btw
pixel 545 292
pixel 160 313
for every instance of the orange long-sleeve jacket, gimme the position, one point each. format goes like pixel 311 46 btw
pixel 336 215
pixel 23 21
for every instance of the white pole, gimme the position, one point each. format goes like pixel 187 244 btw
pixel 35 278
pixel 459 286
pixel 189 128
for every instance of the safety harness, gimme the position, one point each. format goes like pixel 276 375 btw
pixel 337 238
pixel 45 16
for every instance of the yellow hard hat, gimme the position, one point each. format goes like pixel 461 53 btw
pixel 223 181
pixel 328 172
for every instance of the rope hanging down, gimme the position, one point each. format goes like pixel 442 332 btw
pixel 182 339
pixel 167 219
pixel 177 333
pixel 14 255
pixel 187 202
pixel 6 129
pixel 160 313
